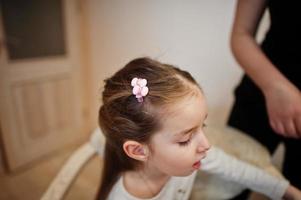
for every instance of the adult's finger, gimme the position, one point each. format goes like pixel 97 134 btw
pixel 290 129
pixel 279 128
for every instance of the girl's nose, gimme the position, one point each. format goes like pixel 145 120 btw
pixel 204 144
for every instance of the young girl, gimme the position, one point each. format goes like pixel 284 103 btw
pixel 153 118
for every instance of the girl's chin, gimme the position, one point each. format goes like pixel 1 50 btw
pixel 184 173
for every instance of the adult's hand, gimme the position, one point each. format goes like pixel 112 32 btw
pixel 283 102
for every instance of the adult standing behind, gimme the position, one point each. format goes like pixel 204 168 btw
pixel 268 99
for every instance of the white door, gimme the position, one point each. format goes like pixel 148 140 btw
pixel 40 82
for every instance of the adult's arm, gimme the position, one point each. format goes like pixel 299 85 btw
pixel 283 99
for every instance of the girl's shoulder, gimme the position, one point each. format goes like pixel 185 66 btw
pixel 174 187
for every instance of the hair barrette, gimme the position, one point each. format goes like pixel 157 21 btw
pixel 140 89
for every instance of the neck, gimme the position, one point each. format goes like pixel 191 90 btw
pixel 146 182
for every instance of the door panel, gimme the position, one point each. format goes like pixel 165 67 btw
pixel 40 104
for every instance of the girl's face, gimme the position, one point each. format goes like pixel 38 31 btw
pixel 180 144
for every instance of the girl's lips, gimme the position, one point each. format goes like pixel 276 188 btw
pixel 197 165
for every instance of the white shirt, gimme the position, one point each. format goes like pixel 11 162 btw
pixel 218 163
pixel 177 188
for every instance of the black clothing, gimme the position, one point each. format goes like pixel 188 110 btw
pixel 249 114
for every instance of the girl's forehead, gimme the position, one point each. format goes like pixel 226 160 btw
pixel 183 114
pixel 185 106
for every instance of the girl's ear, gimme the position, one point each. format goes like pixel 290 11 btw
pixel 136 150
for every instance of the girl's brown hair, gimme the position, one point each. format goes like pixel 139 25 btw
pixel 122 117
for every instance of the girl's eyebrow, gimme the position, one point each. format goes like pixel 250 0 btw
pixel 187 131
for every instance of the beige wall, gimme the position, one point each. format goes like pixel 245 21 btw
pixel 192 34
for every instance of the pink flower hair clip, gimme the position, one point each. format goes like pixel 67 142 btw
pixel 139 88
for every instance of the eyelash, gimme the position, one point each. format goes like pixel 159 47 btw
pixel 185 143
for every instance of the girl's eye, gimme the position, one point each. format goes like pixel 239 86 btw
pixel 185 143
